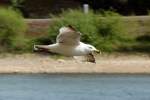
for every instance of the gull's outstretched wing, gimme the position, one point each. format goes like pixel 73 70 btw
pixel 68 36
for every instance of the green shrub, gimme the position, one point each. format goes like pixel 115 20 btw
pixel 112 31
pixel 104 30
pixel 12 28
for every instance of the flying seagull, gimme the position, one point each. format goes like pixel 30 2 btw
pixel 68 43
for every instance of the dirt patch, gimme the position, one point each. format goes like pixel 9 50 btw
pixel 33 63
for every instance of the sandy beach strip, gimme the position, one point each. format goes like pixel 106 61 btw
pixel 33 63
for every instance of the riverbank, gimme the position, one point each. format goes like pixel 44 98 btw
pixel 109 64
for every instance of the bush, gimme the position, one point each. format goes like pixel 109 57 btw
pixel 12 28
pixel 112 31
pixel 104 30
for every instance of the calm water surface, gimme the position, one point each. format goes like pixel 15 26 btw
pixel 74 87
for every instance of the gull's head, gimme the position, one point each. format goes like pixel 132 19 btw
pixel 93 49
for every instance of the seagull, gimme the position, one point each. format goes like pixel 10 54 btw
pixel 68 44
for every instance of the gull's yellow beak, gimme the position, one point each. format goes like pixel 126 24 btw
pixel 97 51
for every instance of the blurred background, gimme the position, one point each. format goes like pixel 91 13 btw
pixel 110 25
pixel 41 9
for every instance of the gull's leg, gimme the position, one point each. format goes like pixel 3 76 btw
pixel 91 58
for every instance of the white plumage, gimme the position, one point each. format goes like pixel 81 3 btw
pixel 68 44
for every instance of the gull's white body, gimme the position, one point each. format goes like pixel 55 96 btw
pixel 68 44
pixel 67 50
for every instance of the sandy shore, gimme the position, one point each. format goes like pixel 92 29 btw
pixel 33 63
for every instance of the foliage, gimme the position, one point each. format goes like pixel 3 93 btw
pixel 104 30
pixel 16 3
pixel 12 28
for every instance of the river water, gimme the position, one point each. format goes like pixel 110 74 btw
pixel 74 87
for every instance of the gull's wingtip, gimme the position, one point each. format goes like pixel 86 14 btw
pixel 35 48
pixel 71 27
